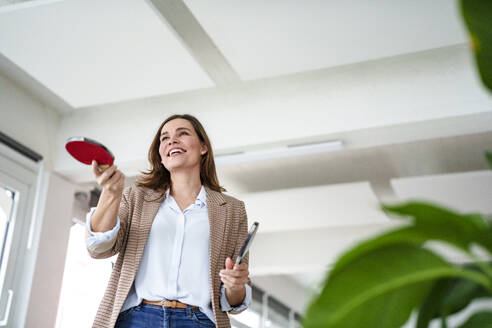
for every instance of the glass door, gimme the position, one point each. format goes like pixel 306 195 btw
pixel 6 205
pixel 17 194
pixel 6 215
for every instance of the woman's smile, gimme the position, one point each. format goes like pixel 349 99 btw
pixel 176 151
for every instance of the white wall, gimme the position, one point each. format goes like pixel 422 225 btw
pixel 28 121
pixel 50 262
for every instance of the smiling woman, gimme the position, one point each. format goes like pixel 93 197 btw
pixel 186 132
pixel 176 235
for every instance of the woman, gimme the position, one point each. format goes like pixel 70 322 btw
pixel 176 235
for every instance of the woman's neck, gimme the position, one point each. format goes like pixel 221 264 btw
pixel 185 185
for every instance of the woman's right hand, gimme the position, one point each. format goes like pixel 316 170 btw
pixel 111 179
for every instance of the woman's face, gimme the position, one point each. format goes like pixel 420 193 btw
pixel 180 147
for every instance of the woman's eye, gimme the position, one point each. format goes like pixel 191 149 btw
pixel 164 138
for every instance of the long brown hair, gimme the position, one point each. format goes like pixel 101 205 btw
pixel 158 177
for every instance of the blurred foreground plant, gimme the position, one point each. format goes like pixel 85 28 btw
pixel 380 282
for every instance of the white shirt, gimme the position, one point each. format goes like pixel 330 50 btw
pixel 175 260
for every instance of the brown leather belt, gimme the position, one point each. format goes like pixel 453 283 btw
pixel 171 304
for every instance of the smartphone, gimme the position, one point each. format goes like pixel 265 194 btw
pixel 247 242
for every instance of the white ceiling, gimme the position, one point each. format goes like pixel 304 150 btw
pixel 94 52
pixel 269 38
pixel 90 52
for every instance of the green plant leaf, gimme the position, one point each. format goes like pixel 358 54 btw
pixel 381 288
pixel 461 230
pixel 479 320
pixel 406 235
pixel 429 223
pixel 488 156
pixel 477 16
pixel 485 239
pixel 448 296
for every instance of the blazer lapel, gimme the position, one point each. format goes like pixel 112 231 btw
pixel 217 215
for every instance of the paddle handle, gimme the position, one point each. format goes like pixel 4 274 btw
pixel 103 167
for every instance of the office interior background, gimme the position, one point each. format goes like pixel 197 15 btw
pixel 318 111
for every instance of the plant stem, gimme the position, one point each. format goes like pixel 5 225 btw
pixel 443 322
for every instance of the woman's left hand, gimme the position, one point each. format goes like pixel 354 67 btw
pixel 234 276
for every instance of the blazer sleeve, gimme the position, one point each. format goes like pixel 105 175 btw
pixel 114 245
pixel 242 233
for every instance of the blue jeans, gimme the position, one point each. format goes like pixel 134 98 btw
pixel 156 316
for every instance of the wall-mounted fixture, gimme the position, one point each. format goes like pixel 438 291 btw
pixel 292 150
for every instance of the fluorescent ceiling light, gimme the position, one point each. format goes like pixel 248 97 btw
pixel 279 152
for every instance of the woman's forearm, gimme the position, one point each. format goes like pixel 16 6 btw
pixel 104 218
pixel 235 297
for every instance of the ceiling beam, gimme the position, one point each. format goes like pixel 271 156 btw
pixel 279 209
pixel 311 250
pixel 196 40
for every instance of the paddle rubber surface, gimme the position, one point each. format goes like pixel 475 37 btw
pixel 85 150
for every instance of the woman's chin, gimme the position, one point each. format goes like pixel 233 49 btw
pixel 176 167
pixel 174 163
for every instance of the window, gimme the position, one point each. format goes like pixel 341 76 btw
pixel 6 204
pixel 78 302
pixel 19 172
pixel 266 312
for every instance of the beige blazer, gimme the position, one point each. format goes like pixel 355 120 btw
pixel 138 207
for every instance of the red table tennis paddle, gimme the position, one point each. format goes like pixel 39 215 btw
pixel 86 150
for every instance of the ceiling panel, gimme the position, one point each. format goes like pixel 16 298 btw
pixel 94 52
pixel 468 192
pixel 270 38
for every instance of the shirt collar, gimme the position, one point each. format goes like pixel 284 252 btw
pixel 201 199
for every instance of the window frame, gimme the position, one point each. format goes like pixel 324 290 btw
pixel 23 175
